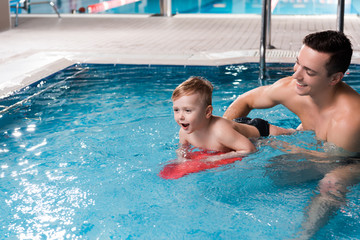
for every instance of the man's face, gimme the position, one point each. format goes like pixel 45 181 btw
pixel 311 75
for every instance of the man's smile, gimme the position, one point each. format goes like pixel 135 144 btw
pixel 300 84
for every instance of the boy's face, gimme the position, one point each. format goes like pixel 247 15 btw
pixel 190 112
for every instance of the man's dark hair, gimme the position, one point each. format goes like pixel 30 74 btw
pixel 334 43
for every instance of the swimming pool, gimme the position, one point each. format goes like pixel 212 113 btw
pixel 282 7
pixel 80 153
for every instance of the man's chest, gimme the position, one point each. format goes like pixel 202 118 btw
pixel 321 124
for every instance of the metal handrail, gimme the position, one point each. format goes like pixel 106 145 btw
pixel 25 4
pixel 268 25
pixel 340 15
pixel 165 8
pixel 264 29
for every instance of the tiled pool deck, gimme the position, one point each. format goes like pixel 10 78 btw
pixel 43 44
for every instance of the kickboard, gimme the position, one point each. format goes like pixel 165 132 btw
pixel 195 163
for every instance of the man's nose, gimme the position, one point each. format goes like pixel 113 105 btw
pixel 297 72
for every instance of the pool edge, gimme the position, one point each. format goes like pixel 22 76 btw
pixel 42 64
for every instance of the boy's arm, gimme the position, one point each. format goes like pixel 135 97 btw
pixel 184 146
pixel 231 139
pixel 261 97
pixel 182 138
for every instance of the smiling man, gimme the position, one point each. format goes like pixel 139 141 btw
pixel 315 92
pixel 325 105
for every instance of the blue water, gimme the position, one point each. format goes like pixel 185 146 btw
pixel 80 152
pixel 283 7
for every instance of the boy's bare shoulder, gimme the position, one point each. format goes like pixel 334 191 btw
pixel 220 126
pixel 220 121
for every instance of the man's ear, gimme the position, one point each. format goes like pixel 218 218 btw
pixel 335 78
pixel 209 110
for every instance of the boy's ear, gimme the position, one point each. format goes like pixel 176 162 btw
pixel 209 110
pixel 336 77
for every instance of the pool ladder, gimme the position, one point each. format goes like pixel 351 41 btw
pixel 266 31
pixel 165 8
pixel 25 4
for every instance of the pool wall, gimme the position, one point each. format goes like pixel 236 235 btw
pixel 282 7
pixel 43 44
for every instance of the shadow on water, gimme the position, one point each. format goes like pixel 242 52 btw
pixel 300 168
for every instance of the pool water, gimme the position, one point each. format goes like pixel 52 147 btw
pixel 80 153
pixel 282 7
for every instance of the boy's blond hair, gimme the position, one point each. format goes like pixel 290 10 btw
pixel 194 85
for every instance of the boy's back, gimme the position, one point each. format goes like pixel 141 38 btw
pixel 221 134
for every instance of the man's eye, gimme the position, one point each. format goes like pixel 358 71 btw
pixel 310 73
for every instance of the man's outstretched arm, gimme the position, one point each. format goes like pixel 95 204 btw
pixel 259 98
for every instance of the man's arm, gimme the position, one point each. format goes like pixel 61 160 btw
pixel 259 98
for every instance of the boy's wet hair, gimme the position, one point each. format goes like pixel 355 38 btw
pixel 334 43
pixel 194 85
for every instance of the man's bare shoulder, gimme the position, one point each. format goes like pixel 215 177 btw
pixel 283 91
pixel 281 88
pixel 345 127
pixel 345 133
pixel 285 82
pixel 347 103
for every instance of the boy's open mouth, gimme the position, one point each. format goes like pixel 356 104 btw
pixel 185 125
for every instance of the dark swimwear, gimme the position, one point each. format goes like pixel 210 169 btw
pixel 261 125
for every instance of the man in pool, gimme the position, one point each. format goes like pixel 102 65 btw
pixel 325 105
pixel 192 105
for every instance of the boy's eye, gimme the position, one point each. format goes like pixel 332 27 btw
pixel 188 110
pixel 176 110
